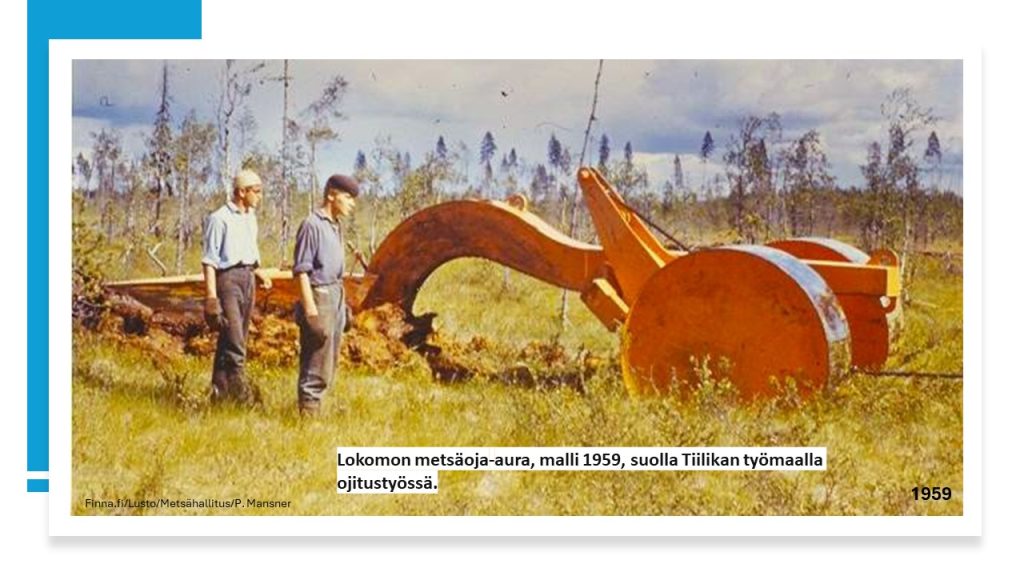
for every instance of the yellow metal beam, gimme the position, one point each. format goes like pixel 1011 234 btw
pixel 629 246
pixel 604 301
pixel 850 278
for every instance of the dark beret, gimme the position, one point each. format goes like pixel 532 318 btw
pixel 343 183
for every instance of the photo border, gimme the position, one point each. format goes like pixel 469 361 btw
pixel 63 523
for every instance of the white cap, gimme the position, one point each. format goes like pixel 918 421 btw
pixel 246 178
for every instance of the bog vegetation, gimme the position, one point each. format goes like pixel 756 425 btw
pixel 143 426
pixel 509 369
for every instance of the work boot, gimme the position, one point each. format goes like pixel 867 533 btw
pixel 220 390
pixel 309 408
pixel 239 389
pixel 217 397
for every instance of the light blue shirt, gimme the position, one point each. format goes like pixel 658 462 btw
pixel 230 238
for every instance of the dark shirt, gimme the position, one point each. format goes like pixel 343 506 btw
pixel 319 250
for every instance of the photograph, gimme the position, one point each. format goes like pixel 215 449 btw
pixel 575 287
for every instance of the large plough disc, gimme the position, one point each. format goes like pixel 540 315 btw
pixel 872 319
pixel 756 314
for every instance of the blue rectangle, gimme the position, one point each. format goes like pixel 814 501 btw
pixel 69 19
pixel 37 485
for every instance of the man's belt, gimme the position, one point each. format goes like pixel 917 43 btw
pixel 240 266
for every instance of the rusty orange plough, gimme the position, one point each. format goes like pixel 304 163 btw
pixel 805 309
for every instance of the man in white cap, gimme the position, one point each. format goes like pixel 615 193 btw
pixel 231 257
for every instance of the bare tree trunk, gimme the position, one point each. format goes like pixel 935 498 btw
pixel 154 226
pixel 225 168
pixel 129 214
pixel 225 109
pixel 314 184
pixel 161 143
pixel 564 312
pixel 906 270
pixel 109 200
pixel 373 225
pixel 285 201
pixel 152 256
pixel 179 258
pixel 704 178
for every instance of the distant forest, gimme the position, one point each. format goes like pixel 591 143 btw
pixel 142 215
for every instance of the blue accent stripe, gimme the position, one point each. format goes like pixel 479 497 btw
pixel 37 485
pixel 70 19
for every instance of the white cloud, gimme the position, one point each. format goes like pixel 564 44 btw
pixel 662 107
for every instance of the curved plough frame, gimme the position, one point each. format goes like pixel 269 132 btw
pixel 496 231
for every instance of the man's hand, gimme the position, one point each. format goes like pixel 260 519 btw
pixel 264 280
pixel 317 330
pixel 212 312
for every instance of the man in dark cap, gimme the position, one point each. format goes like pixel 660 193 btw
pixel 319 267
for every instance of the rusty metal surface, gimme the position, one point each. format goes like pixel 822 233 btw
pixel 866 313
pixel 817 248
pixel 472 228
pixel 754 312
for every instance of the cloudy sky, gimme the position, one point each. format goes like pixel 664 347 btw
pixel 662 107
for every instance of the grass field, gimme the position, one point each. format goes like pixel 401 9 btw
pixel 143 428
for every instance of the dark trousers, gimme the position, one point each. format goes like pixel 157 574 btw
pixel 235 287
pixel 317 363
